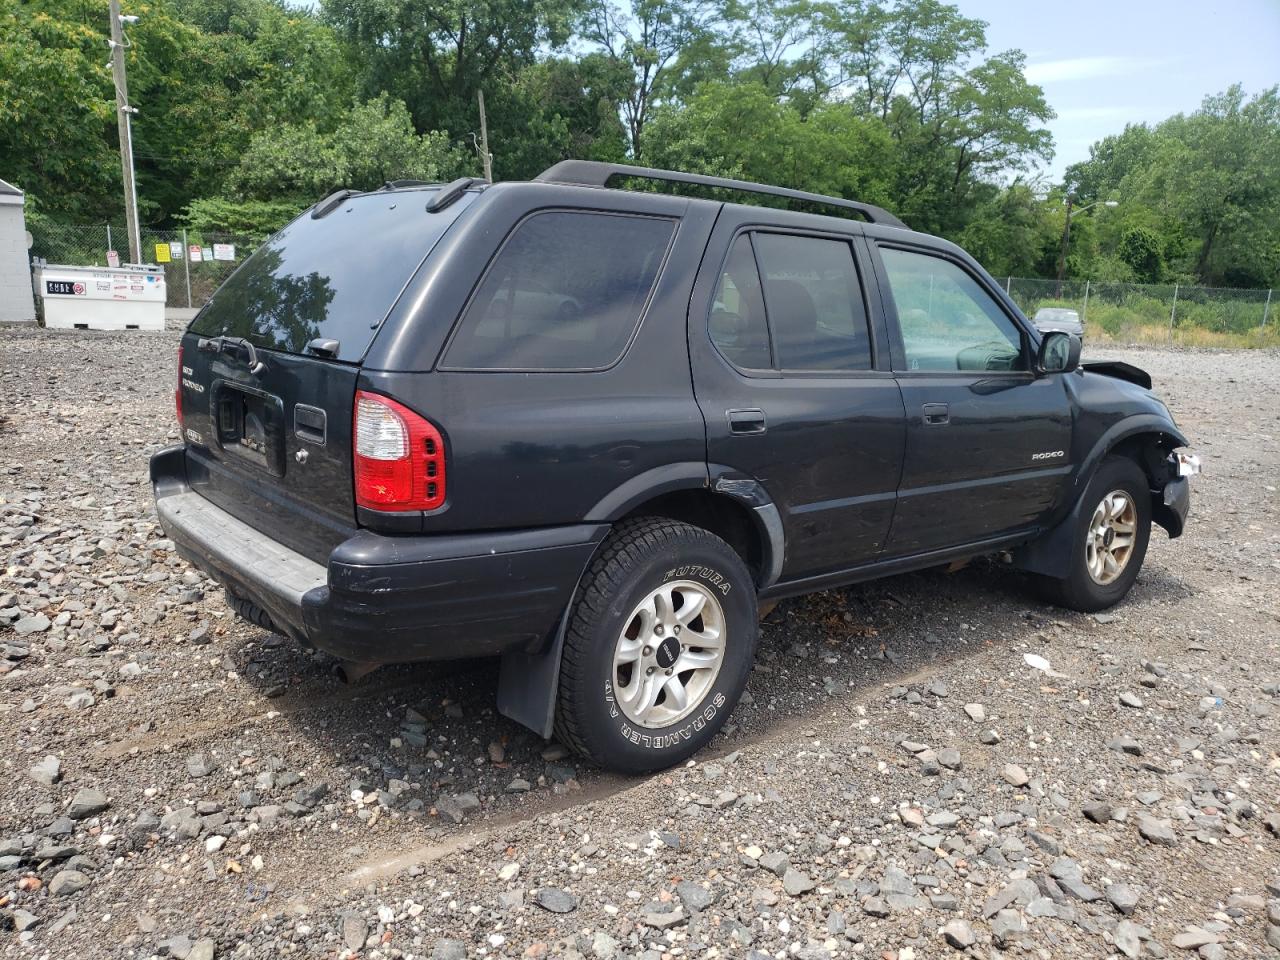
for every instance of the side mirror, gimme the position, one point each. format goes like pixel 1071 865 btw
pixel 1059 353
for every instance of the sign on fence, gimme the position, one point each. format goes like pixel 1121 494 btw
pixel 224 251
pixel 194 251
pixel 162 253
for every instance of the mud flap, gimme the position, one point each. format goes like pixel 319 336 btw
pixel 528 683
pixel 1050 554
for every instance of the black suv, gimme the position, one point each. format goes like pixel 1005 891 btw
pixel 591 429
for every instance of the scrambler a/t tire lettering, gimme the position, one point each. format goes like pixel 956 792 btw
pixel 659 646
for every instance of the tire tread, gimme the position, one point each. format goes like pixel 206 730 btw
pixel 624 548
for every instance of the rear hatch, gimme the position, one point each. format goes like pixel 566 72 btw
pixel 269 366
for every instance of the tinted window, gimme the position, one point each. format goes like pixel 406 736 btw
pixel 564 293
pixel 814 302
pixel 336 277
pixel 948 321
pixel 738 326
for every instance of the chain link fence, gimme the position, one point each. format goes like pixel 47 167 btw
pixel 195 262
pixel 1157 313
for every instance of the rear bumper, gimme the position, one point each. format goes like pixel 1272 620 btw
pixel 385 599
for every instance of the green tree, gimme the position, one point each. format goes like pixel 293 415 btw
pixel 565 109
pixel 1218 171
pixel 255 219
pixel 1009 232
pixel 1207 185
pixel 741 130
pixel 1140 248
pixel 374 143
pixel 436 55
pixel 55 118
pixel 957 117
pixel 646 41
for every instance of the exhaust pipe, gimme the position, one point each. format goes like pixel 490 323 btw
pixel 349 671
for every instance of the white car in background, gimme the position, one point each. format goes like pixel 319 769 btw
pixel 1059 318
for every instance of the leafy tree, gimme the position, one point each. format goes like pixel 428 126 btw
pixel 55 118
pixel 374 143
pixel 1140 248
pixel 1216 171
pixel 646 40
pixel 1208 183
pixel 832 151
pixel 254 219
pixel 436 55
pixel 569 109
pixel 1009 233
pixel 955 116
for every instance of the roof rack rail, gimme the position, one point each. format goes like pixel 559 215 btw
pixel 330 203
pixel 592 173
pixel 451 192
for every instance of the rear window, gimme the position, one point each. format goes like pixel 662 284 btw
pixel 565 292
pixel 336 277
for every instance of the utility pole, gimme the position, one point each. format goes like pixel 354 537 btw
pixel 1062 254
pixel 124 113
pixel 485 155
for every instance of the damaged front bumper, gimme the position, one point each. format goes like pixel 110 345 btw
pixel 1174 503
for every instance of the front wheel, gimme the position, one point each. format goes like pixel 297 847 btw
pixel 1113 527
pixel 659 646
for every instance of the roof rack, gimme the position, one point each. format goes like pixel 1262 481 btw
pixel 592 173
pixel 451 192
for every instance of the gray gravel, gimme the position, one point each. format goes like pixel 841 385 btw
pixel 899 782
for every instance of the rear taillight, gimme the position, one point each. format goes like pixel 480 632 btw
pixel 177 393
pixel 399 456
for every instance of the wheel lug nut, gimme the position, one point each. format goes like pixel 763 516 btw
pixel 649 671
pixel 676 628
pixel 668 671
pixel 648 651
pixel 658 630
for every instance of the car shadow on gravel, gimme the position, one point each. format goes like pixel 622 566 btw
pixel 427 741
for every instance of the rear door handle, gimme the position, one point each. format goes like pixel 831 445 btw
pixel 746 422
pixel 936 414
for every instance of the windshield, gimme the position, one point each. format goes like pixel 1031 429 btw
pixel 336 277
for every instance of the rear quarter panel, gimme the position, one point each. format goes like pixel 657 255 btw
pixel 537 449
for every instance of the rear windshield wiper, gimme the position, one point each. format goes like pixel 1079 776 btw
pixel 220 344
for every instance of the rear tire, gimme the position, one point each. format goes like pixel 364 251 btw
pixel 1109 543
pixel 624 702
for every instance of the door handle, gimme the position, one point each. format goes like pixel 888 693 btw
pixel 936 414
pixel 746 422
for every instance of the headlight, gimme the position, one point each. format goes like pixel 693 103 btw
pixel 1188 464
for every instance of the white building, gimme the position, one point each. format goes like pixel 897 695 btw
pixel 15 266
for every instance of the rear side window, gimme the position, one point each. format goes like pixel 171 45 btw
pixel 738 326
pixel 336 277
pixel 565 292
pixel 814 302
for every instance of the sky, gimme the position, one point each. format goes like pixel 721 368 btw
pixel 1105 63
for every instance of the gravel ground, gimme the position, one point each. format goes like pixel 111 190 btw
pixel 902 780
